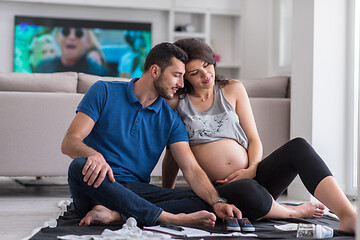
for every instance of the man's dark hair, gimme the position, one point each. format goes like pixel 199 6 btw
pixel 162 55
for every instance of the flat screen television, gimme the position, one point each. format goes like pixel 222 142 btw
pixel 104 48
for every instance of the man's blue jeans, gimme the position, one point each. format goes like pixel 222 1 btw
pixel 143 201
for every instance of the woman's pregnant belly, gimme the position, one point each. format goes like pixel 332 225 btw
pixel 221 158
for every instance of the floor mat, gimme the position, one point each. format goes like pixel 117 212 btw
pixel 68 225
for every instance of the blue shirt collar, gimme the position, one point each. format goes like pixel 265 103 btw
pixel 133 99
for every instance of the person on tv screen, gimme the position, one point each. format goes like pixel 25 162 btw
pixel 73 43
pixel 131 63
pixel 96 55
pixel 42 47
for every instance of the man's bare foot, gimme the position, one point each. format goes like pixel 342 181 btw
pixel 100 215
pixel 203 218
pixel 348 223
pixel 307 210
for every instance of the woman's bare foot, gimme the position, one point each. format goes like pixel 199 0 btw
pixel 203 218
pixel 100 215
pixel 307 210
pixel 348 223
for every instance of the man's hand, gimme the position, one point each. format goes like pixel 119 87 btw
pixel 239 174
pixel 224 210
pixel 95 169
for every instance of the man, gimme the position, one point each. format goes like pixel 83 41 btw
pixel 116 139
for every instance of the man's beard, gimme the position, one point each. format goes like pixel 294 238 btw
pixel 160 88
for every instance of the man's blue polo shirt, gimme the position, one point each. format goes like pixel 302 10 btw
pixel 131 138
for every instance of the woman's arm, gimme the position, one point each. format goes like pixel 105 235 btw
pixel 169 170
pixel 236 94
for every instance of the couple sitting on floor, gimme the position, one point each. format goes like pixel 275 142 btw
pixel 121 129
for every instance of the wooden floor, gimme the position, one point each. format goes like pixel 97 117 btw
pixel 25 207
pixel 27 203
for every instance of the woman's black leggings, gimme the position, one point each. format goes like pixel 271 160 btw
pixel 274 174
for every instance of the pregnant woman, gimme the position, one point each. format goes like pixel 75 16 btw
pixel 224 139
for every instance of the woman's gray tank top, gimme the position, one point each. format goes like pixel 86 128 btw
pixel 219 122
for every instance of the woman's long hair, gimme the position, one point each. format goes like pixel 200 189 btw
pixel 197 49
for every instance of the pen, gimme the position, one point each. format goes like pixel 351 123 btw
pixel 173 227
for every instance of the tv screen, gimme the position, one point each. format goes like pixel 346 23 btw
pixel 103 48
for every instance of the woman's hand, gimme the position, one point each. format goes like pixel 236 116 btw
pixel 250 172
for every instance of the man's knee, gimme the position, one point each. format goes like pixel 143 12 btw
pixel 76 166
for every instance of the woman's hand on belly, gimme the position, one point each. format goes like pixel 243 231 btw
pixel 239 174
pixel 221 159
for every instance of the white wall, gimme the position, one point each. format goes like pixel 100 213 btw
pixel 258 35
pixel 302 69
pixel 329 84
pixel 319 80
pixel 8 10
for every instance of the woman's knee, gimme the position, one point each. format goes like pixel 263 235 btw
pixel 299 143
pixel 296 149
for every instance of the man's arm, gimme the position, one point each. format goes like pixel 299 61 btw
pixel 96 168
pixel 199 181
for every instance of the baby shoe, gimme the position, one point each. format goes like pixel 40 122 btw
pixel 246 225
pixel 232 224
